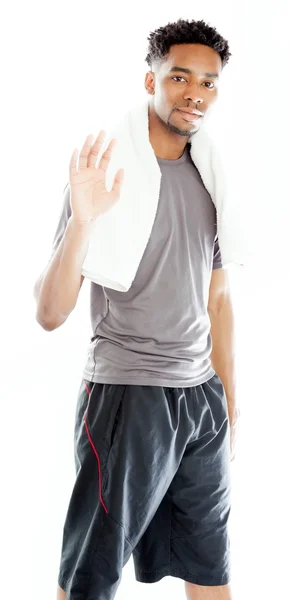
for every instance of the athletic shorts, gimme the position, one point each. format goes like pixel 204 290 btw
pixel 152 481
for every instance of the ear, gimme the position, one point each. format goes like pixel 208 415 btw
pixel 150 82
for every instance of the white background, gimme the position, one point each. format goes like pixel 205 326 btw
pixel 68 68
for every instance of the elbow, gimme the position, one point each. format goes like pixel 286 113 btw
pixel 48 324
pixel 44 318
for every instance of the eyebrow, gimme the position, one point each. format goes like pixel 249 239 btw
pixel 189 72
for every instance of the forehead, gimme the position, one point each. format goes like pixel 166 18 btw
pixel 197 57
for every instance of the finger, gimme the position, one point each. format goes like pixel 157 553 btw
pixel 95 149
pixel 104 162
pixel 73 162
pixel 118 182
pixel 83 161
pixel 85 152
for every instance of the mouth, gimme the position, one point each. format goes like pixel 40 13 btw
pixel 189 117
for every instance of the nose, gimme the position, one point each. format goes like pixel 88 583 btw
pixel 192 93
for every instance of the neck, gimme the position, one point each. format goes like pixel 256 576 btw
pixel 166 143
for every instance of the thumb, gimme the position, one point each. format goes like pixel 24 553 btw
pixel 118 182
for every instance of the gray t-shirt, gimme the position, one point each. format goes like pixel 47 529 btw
pixel 158 333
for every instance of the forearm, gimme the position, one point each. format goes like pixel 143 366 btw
pixel 60 285
pixel 223 347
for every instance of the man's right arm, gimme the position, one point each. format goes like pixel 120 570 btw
pixel 57 289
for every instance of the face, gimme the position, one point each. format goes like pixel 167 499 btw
pixel 187 79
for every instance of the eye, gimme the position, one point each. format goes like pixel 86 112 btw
pixel 176 77
pixel 206 82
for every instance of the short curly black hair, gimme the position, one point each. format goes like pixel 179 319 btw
pixel 185 32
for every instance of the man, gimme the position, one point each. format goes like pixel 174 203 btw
pixel 156 410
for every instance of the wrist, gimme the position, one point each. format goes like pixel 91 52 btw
pixel 75 223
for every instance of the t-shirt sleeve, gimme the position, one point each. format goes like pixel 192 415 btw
pixel 217 259
pixel 64 216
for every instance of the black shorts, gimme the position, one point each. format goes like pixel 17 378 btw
pixel 152 481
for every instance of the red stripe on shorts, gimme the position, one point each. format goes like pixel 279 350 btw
pixel 95 451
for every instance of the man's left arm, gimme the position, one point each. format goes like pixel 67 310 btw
pixel 221 316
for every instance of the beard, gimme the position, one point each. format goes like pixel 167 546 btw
pixel 185 133
pixel 179 131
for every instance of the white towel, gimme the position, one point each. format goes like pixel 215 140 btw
pixel 120 236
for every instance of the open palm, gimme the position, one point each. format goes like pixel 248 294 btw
pixel 89 195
